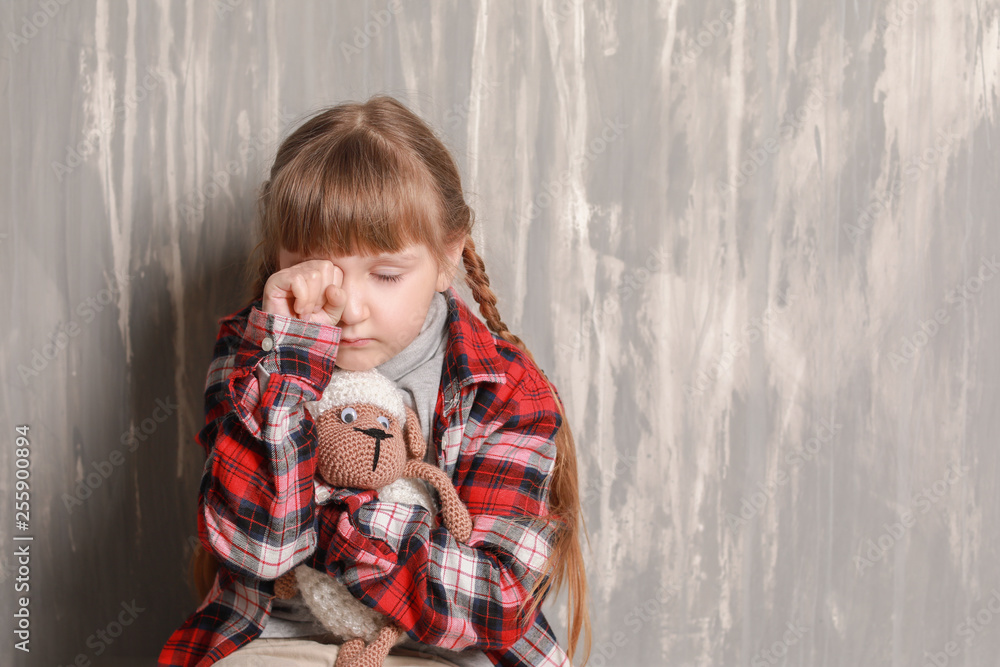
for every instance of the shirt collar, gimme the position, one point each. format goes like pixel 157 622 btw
pixel 471 355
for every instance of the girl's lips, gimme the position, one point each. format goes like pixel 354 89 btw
pixel 354 341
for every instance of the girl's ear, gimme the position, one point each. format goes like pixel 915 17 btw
pixel 416 447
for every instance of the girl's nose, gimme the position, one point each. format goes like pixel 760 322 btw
pixel 356 309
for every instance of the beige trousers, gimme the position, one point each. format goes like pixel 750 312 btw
pixel 311 652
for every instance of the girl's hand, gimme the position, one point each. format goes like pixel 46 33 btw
pixel 309 291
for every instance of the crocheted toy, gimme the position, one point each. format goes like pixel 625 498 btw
pixel 368 439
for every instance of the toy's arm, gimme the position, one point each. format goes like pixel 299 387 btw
pixel 456 514
pixel 255 503
pixel 443 592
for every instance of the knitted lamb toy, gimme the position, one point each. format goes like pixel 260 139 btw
pixel 368 439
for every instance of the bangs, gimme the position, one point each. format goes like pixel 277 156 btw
pixel 356 196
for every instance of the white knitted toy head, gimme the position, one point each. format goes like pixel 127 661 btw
pixel 351 387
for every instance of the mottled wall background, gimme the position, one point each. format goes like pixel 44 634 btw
pixel 755 245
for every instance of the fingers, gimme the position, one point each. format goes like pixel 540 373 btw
pixel 335 302
pixel 304 287
pixel 302 291
pixel 308 284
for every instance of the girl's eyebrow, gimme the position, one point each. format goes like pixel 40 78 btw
pixel 402 256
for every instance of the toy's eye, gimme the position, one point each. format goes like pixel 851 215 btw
pixel 347 415
pixel 383 422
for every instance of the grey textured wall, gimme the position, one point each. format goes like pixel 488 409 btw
pixel 754 244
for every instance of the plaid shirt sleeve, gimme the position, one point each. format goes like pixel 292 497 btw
pixel 452 595
pixel 255 509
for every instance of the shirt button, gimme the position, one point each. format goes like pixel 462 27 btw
pixel 267 344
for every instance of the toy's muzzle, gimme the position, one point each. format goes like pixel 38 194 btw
pixel 379 436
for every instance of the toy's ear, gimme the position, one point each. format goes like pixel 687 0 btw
pixel 416 447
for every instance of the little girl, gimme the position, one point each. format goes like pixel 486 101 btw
pixel 363 225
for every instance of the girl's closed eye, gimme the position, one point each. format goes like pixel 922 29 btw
pixel 388 278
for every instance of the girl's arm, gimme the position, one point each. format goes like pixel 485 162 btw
pixel 255 509
pixel 445 593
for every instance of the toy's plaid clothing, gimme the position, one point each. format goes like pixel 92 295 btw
pixel 262 513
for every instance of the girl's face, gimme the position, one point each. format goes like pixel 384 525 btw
pixel 388 297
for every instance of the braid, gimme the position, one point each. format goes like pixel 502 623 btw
pixel 566 563
pixel 479 283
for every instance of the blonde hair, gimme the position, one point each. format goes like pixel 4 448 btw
pixel 370 178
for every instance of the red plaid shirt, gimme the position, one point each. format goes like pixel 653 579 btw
pixel 261 512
